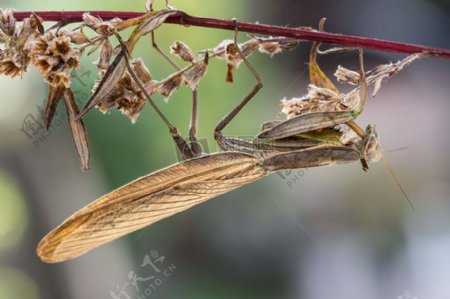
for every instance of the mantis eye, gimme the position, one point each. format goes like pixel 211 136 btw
pixel 372 151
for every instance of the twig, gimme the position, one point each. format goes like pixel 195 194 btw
pixel 297 33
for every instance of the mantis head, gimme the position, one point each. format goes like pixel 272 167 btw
pixel 371 149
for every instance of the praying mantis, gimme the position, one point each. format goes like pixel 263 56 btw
pixel 306 140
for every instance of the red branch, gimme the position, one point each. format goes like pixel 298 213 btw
pixel 296 33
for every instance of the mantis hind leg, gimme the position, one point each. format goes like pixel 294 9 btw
pixel 191 149
pixel 224 142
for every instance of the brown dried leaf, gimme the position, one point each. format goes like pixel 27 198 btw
pixel 150 22
pixel 126 95
pixel 55 93
pixel 168 86
pixel 316 75
pixel 77 128
pixel 112 76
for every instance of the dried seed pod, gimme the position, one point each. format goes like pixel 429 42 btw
pixel 168 86
pixel 54 57
pixel 249 47
pixel 344 75
pixel 227 50
pixel 198 72
pixel 13 64
pixel 141 70
pixel 182 51
pixel 219 51
pixel 105 28
pixel 3 37
pixel 319 99
pixel 232 55
pixel 105 56
pixel 266 46
pixel 7 22
pixel 78 38
pixel 386 71
pixel 289 45
pixel 294 106
pixel 270 48
pixel 321 94
pixel 30 29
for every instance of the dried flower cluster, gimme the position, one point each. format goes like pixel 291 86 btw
pixel 103 28
pixel 228 51
pixel 15 41
pixel 330 99
pixel 120 95
pixel 124 83
pixel 126 95
pixel 54 57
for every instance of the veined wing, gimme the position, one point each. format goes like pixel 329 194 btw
pixel 147 200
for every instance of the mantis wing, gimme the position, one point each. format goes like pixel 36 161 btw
pixel 147 200
pixel 321 155
pixel 307 122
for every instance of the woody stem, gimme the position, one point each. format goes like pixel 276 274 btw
pixel 263 29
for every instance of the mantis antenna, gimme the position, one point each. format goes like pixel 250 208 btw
pixel 391 172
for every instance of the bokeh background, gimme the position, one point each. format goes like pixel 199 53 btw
pixel 318 233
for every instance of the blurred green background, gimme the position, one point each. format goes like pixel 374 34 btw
pixel 317 233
